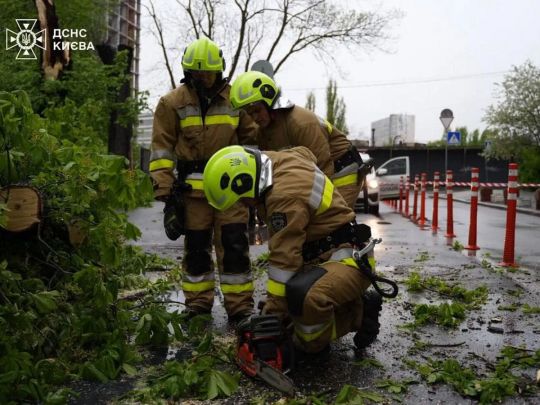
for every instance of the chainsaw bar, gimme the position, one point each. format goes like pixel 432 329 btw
pixel 274 377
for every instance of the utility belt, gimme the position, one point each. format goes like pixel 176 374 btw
pixel 352 233
pixel 351 156
pixel 359 235
pixel 186 167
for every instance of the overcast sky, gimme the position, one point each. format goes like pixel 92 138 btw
pixel 444 55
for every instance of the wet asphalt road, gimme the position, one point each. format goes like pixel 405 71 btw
pixel 405 248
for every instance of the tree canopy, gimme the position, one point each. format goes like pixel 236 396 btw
pixel 516 115
pixel 515 120
pixel 276 30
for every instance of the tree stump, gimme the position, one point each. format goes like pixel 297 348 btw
pixel 24 207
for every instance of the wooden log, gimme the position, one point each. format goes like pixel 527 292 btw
pixel 24 206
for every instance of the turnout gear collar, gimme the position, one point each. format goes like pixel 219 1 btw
pixel 265 181
pixel 282 103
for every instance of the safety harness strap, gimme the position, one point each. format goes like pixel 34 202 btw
pixel 351 156
pixel 186 167
pixel 349 233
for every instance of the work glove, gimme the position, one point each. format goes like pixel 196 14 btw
pixel 171 222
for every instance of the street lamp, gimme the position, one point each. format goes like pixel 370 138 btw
pixel 447 116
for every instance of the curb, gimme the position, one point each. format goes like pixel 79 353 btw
pixel 527 211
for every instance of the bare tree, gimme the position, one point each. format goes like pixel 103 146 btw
pixel 158 32
pixel 277 30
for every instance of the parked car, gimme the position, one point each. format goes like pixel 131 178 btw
pixel 389 174
pixel 382 183
pixel 368 199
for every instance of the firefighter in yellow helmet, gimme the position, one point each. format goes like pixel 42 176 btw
pixel 191 123
pixel 283 124
pixel 312 275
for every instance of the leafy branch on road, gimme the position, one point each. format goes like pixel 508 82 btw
pixel 473 298
pixel 448 314
pixel 395 387
pixel 527 309
pixel 495 386
pixel 201 368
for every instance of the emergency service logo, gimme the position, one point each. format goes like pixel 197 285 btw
pixel 26 39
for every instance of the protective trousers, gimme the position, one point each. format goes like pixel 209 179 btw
pixel 331 307
pixel 232 252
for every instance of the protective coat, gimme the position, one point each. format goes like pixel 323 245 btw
pixel 302 206
pixel 298 126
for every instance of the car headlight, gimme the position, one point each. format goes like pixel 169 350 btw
pixel 373 183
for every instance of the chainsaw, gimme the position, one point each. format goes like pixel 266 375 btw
pixel 264 352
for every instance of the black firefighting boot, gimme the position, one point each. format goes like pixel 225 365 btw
pixel 239 317
pixel 301 357
pixel 370 322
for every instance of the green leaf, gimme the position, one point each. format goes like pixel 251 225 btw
pixel 219 383
pixel 353 395
pixel 45 301
pixel 129 369
pixel 91 372
pixel 132 232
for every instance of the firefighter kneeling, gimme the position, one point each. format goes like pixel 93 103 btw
pixel 313 275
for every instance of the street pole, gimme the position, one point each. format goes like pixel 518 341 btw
pixel 446 154
pixel 447 116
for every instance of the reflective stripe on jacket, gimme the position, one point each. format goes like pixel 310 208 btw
pixel 180 132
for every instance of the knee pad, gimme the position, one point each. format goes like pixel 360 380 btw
pixel 235 248
pixel 298 286
pixel 198 245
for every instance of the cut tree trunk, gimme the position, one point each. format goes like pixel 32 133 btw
pixel 24 206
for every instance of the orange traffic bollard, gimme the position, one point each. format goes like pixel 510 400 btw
pixel 511 205
pixel 407 191
pixel 422 218
pixel 475 172
pixel 449 205
pixel 435 219
pixel 400 208
pixel 415 200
